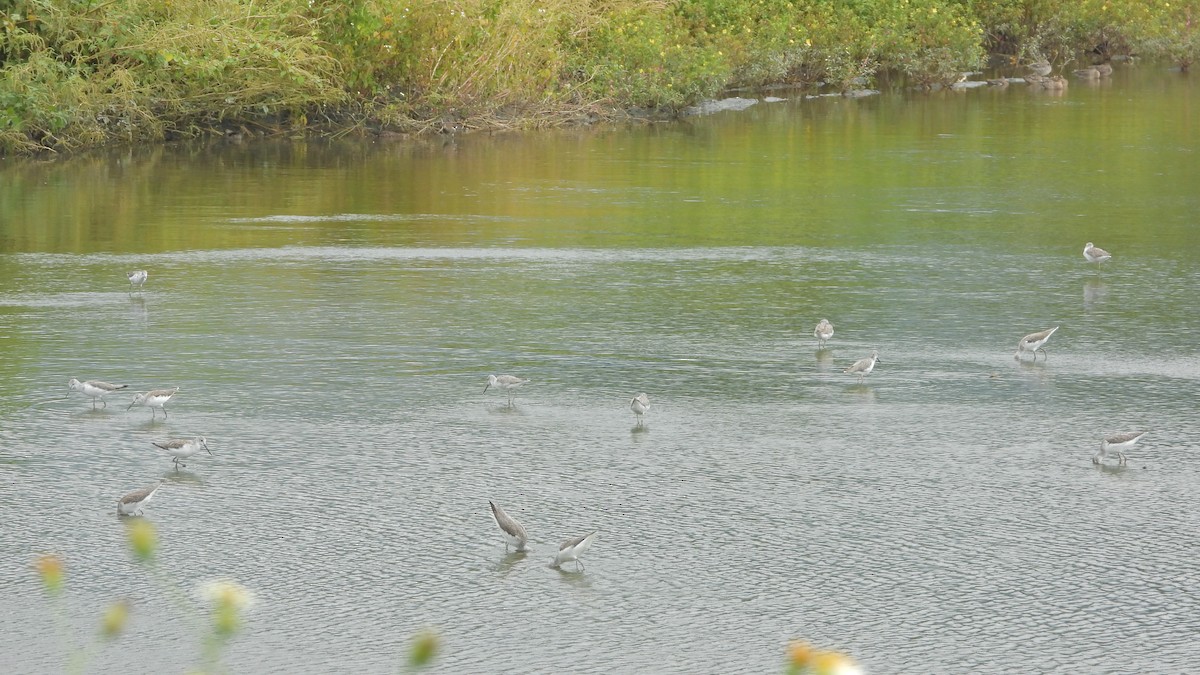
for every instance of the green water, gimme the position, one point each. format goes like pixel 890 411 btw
pixel 330 312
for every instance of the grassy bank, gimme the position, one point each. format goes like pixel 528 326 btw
pixel 84 73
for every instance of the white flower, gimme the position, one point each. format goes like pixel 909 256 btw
pixel 226 593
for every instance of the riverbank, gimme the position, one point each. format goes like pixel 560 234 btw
pixel 126 71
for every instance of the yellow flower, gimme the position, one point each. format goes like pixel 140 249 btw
pixel 804 659
pixel 424 648
pixel 143 539
pixel 50 568
pixel 114 619
pixel 800 654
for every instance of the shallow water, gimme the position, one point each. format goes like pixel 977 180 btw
pixel 330 313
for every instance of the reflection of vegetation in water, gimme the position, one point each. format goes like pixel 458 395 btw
pixel 83 74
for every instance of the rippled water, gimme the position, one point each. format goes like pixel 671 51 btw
pixel 331 317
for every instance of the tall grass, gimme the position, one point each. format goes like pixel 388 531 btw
pixel 78 73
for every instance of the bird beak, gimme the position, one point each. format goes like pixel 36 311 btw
pixel 206 448
pixel 130 407
pixel 485 387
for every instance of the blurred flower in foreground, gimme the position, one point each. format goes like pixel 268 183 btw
pixel 50 569
pixel 424 648
pixel 115 618
pixel 804 660
pixel 143 539
pixel 228 599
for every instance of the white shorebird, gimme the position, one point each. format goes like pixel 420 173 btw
pixel 863 367
pixel 573 549
pixel 514 532
pixel 640 405
pixel 1096 255
pixel 1117 442
pixel 154 399
pixel 1034 343
pixel 134 501
pixel 96 389
pixel 504 382
pixel 137 277
pixel 182 448
pixel 823 332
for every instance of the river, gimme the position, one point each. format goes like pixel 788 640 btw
pixel 330 311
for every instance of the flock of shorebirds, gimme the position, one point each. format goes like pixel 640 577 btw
pixel 1040 77
pixel 155 399
pixel 514 533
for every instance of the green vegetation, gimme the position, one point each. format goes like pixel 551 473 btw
pixel 79 73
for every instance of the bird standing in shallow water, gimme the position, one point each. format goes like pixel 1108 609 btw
pixel 514 532
pixel 504 382
pixel 1094 254
pixel 573 549
pixel 823 332
pixel 134 501
pixel 137 278
pixel 1117 442
pixel 863 367
pixel 96 389
pixel 154 399
pixel 181 448
pixel 640 405
pixel 1034 342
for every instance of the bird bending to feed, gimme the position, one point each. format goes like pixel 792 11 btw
pixel 1117 443
pixel 154 399
pixel 1034 343
pixel 504 382
pixel 137 277
pixel 96 389
pixel 514 532
pixel 1105 69
pixel 863 367
pixel 1094 254
pixel 573 549
pixel 134 501
pixel 640 405
pixel 181 448
pixel 823 332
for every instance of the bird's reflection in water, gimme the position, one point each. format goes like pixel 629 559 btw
pixel 862 392
pixel 1094 292
pixel 506 564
